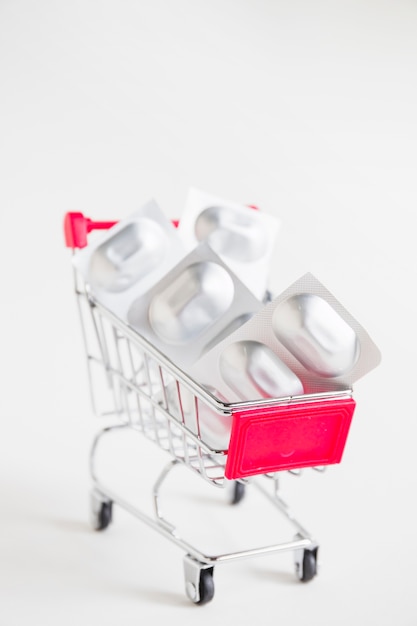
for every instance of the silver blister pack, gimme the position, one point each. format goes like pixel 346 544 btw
pixel 195 305
pixel 243 237
pixel 302 342
pixel 129 258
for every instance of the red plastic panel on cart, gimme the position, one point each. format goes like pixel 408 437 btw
pixel 287 437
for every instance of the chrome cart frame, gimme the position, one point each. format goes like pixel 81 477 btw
pixel 150 395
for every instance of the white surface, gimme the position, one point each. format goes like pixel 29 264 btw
pixel 306 109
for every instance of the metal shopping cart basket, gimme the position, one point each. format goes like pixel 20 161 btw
pixel 268 436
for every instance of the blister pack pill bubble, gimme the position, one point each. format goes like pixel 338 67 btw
pixel 302 342
pixel 129 258
pixel 192 307
pixel 243 237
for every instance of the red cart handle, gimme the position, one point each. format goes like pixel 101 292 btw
pixel 77 227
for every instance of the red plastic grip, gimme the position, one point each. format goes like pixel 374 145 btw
pixel 77 227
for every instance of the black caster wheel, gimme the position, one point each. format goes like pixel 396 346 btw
pixel 306 565
pixel 206 586
pixel 238 493
pixel 199 584
pixel 101 511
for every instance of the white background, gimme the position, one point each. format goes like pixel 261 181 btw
pixel 307 109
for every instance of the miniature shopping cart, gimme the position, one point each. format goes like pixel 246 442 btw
pixel 268 436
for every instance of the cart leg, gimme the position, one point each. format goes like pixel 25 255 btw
pixel 101 510
pixel 199 585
